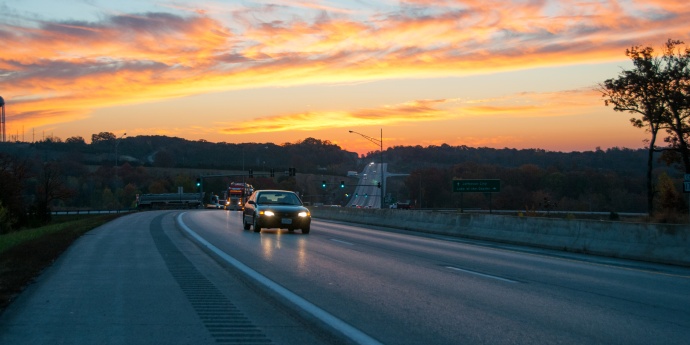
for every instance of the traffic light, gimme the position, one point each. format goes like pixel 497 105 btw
pixel 342 184
pixel 323 183
pixel 291 171
pixel 273 172
pixel 378 185
pixel 251 173
pixel 198 182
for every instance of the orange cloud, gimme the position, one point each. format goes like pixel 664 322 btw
pixel 515 105
pixel 532 104
pixel 421 110
pixel 61 70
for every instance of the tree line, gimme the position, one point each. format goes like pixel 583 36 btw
pixel 51 174
pixel 533 188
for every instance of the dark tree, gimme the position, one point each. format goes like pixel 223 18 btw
pixel 76 140
pixel 51 187
pixel 639 92
pixel 13 175
pixel 676 95
pixel 102 137
pixel 656 90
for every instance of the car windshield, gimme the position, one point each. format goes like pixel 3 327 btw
pixel 278 198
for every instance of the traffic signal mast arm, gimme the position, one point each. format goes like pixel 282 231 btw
pixel 324 184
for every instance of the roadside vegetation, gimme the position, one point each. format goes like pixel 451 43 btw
pixel 26 253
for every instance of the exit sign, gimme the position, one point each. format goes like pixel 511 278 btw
pixel 481 186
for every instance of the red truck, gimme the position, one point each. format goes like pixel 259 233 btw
pixel 238 192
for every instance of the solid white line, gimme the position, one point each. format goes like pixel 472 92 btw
pixel 354 334
pixel 481 274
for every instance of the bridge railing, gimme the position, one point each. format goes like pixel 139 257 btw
pixel 90 211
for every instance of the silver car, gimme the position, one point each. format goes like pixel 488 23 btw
pixel 280 209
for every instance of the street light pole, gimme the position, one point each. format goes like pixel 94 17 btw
pixel 117 143
pixel 380 143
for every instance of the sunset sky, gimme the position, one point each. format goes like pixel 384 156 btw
pixel 481 73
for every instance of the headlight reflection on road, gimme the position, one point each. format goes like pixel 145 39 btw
pixel 270 242
pixel 302 255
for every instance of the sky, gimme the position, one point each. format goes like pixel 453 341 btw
pixel 483 73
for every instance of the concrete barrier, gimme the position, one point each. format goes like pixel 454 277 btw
pixel 659 243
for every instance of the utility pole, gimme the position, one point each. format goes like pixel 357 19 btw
pixel 2 119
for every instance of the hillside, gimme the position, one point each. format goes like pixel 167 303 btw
pixel 88 176
pixel 316 156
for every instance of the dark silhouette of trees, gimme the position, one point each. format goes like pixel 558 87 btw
pixel 638 91
pixel 530 187
pixel 103 137
pixel 598 180
pixel 51 186
pixel 76 141
pixel 657 92
pixel 14 173
pixel 676 94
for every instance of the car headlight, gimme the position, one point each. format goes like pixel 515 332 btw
pixel 303 214
pixel 267 213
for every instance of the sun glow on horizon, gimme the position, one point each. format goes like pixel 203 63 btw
pixel 63 73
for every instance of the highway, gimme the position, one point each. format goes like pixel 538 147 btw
pixel 367 193
pixel 368 285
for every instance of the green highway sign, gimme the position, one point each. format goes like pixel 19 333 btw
pixel 481 186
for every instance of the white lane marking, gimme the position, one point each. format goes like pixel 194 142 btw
pixel 481 274
pixel 354 334
pixel 343 242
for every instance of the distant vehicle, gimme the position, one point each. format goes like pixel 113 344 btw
pixel 215 205
pixel 237 195
pixel 352 174
pixel 216 202
pixel 280 209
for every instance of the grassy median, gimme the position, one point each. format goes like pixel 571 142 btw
pixel 24 254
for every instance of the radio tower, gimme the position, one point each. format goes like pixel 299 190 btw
pixel 2 119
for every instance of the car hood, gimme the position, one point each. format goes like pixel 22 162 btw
pixel 283 208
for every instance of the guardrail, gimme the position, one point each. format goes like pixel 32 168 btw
pixel 88 211
pixel 537 212
pixel 660 243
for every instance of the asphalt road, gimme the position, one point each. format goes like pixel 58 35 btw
pixel 139 280
pixel 403 289
pixel 367 194
pixel 122 284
